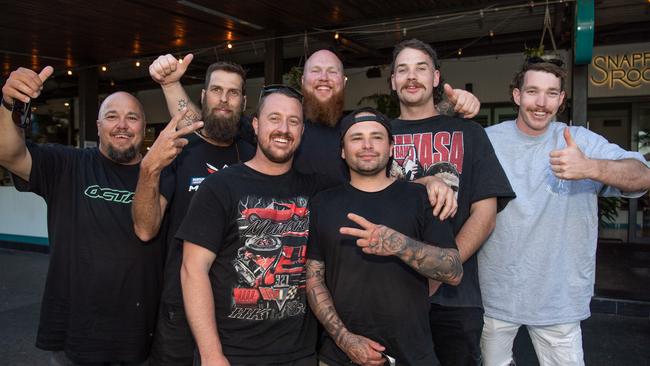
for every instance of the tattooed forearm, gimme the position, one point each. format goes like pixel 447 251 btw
pixel 321 303
pixel 191 116
pixel 442 264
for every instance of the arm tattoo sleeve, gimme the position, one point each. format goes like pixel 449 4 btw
pixel 321 302
pixel 442 264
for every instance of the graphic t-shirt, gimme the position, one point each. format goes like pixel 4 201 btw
pixel 103 284
pixel 197 160
pixel 378 297
pixel 257 225
pixel 458 151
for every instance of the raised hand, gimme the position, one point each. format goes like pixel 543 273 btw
pixel 169 143
pixel 373 238
pixel 166 69
pixel 464 102
pixel 24 84
pixel 570 163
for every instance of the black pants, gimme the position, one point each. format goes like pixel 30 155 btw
pixel 456 333
pixel 305 361
pixel 173 344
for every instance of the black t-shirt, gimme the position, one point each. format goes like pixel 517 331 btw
pixel 197 160
pixel 103 284
pixel 379 297
pixel 458 151
pixel 320 152
pixel 257 225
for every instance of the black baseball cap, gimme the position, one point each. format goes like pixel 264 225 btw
pixel 351 119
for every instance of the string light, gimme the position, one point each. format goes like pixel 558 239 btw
pixel 70 72
pixel 491 33
pixel 66 104
pixel 229 45
pixel 137 64
pixel 104 68
pixel 460 52
pixel 180 60
pixel 336 35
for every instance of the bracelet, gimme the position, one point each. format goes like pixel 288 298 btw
pixel 9 106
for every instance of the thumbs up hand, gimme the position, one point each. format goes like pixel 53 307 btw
pixel 570 163
pixel 24 84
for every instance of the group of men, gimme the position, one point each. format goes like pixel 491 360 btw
pixel 311 217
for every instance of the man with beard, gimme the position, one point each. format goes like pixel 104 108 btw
pixel 204 152
pixel 103 284
pixel 428 138
pixel 372 297
pixel 245 240
pixel 540 271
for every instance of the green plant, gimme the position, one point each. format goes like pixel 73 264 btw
pixel 385 103
pixel 294 77
pixel 608 209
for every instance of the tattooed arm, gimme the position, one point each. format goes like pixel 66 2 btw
pixel 167 71
pixel 442 264
pixel 360 350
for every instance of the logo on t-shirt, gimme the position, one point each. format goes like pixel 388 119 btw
pixel 109 194
pixel 270 262
pixel 424 154
pixel 195 182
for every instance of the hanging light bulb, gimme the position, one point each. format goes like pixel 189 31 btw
pixel 491 33
pixel 336 35
pixel 104 68
pixel 460 52
pixel 70 72
pixel 137 64
pixel 229 45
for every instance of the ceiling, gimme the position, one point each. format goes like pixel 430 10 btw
pixel 81 34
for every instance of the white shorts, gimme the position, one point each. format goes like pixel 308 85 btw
pixel 559 344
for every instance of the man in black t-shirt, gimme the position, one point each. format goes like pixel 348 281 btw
pixel 103 284
pixel 245 237
pixel 206 151
pixel 371 297
pixel 459 152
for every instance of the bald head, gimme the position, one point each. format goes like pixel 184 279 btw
pixel 120 126
pixel 323 81
pixel 121 96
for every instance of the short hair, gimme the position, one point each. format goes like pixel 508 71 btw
pixel 284 91
pixel 226 66
pixel 416 44
pixel 518 80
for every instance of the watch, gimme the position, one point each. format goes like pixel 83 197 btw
pixel 9 106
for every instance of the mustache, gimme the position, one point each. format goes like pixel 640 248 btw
pixel 284 135
pixel 413 83
pixel 123 132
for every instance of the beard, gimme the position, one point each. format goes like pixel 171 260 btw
pixel 277 158
pixel 218 128
pixel 122 156
pixel 327 113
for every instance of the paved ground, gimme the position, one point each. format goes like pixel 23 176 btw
pixel 609 340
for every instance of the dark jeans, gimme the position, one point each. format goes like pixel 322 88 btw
pixel 58 358
pixel 456 333
pixel 173 344
pixel 305 361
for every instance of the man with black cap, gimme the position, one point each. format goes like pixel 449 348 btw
pixel 374 295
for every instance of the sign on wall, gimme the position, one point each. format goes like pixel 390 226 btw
pixel 627 70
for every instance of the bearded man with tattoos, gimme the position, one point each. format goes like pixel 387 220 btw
pixel 379 241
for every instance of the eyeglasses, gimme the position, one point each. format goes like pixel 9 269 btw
pixel 280 88
pixel 21 114
pixel 539 60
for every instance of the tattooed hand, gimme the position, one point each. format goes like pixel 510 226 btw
pixel 361 350
pixel 375 239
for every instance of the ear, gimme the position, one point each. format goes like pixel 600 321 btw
pixel 98 122
pixel 392 146
pixel 302 78
pixel 202 95
pixel 392 82
pixel 436 78
pixel 342 152
pixel 255 124
pixel 243 106
pixel 562 95
pixel 345 80
pixel 516 96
